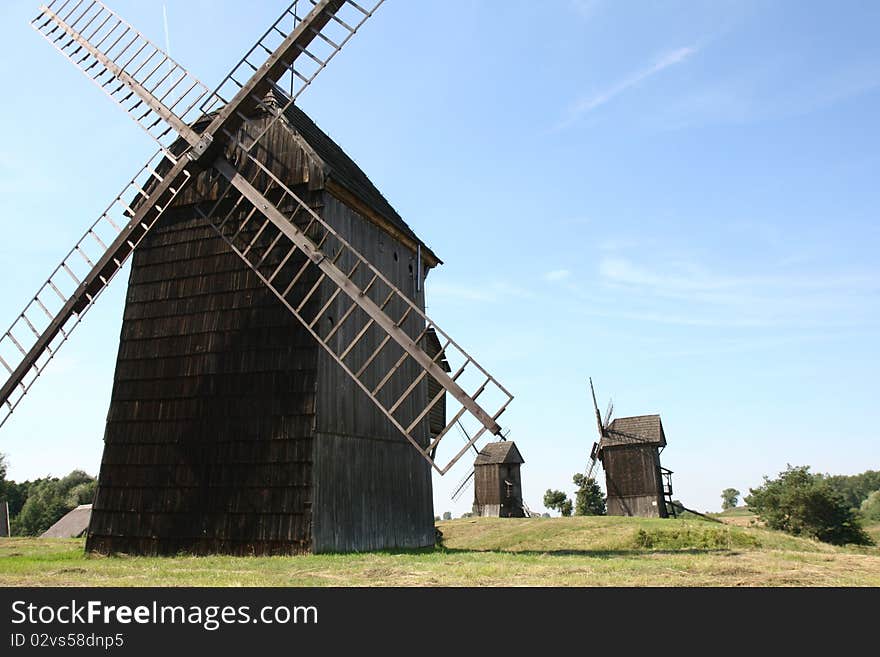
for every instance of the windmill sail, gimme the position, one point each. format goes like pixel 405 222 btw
pixel 158 93
pixel 59 305
pixel 270 226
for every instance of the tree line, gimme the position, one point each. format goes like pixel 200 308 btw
pixel 36 505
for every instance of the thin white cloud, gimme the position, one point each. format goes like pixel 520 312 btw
pixel 689 293
pixel 494 291
pixel 590 103
pixel 557 275
pixel 777 90
pixel 586 9
pixel 688 277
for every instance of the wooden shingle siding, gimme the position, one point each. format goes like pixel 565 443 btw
pixel 632 480
pixel 208 445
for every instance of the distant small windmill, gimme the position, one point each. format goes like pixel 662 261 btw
pixel 468 479
pixel 629 449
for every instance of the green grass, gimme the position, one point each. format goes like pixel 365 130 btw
pixel 485 552
pixel 735 512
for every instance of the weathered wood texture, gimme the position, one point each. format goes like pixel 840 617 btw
pixel 497 481
pixel 208 445
pixel 372 488
pixel 498 491
pixel 632 480
pixel 230 429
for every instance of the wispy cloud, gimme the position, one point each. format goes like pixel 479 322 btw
pixel 689 293
pixel 776 89
pixel 557 275
pixel 689 277
pixel 585 8
pixel 589 103
pixel 493 291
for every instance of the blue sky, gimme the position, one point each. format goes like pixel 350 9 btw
pixel 678 199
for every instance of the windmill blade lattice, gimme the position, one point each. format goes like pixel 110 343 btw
pixel 158 93
pixel 70 291
pixel 463 485
pixel 367 296
pixel 295 58
pixel 283 247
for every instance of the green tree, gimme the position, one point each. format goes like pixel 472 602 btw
pixel 49 499
pixel 804 504
pixel 556 499
pixel 871 507
pixel 447 515
pixel 855 488
pixel 729 498
pixel 588 499
pixel 16 494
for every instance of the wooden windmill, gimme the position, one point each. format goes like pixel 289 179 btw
pixel 629 450
pixel 496 480
pixel 279 387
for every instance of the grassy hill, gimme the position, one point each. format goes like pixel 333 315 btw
pixel 735 512
pixel 486 552
pixel 741 516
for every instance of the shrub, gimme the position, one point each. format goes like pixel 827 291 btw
pixel 803 504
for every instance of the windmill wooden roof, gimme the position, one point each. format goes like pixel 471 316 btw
pixel 72 525
pixel 500 452
pixel 340 169
pixel 646 429
pixel 331 169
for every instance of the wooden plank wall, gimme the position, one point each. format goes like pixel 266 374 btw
pixel 633 482
pixel 513 505
pixel 487 490
pixel 490 490
pixel 208 443
pixel 372 488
